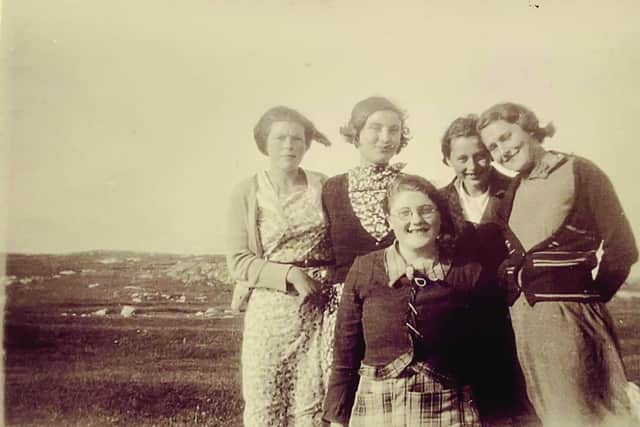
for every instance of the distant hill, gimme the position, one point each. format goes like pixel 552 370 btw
pixel 209 270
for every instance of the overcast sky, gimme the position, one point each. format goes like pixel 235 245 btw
pixel 130 121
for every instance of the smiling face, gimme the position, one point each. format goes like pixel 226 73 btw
pixel 415 220
pixel 510 145
pixel 286 145
pixel 379 138
pixel 470 161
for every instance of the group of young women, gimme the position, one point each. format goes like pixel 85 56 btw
pixel 374 299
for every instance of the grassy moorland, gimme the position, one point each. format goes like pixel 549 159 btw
pixel 72 359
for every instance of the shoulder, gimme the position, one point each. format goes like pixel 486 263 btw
pixel 584 166
pixel 464 273
pixel 336 180
pixel 334 184
pixel 315 179
pixel 449 189
pixel 498 180
pixel 245 187
pixel 315 175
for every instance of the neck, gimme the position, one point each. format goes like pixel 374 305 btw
pixel 414 256
pixel 283 179
pixel 475 189
pixel 364 162
pixel 538 153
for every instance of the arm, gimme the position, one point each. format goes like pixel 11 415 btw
pixel 618 243
pixel 348 352
pixel 243 262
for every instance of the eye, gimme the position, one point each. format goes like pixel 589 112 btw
pixel 492 147
pixel 394 129
pixel 426 210
pixel 403 214
pixel 504 137
pixel 463 159
pixel 374 126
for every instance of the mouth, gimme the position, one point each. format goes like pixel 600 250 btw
pixel 506 158
pixel 418 230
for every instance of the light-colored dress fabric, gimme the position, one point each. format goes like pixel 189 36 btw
pixel 283 366
pixel 568 350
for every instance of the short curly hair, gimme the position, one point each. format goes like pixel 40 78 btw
pixel 361 112
pixel 281 113
pixel 518 114
pixel 460 127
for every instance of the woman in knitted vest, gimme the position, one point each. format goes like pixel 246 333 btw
pixel 556 214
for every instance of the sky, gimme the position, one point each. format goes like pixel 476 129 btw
pixel 126 124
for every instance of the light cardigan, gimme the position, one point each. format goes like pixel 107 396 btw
pixel 244 250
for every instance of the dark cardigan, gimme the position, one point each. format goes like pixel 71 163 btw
pixel 371 329
pixel 498 383
pixel 347 235
pixel 559 267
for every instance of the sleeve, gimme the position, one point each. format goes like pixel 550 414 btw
pixel 348 351
pixel 244 265
pixel 619 250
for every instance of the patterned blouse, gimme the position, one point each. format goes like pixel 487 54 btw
pixel 292 227
pixel 367 190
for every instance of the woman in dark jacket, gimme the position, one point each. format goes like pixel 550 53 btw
pixel 473 198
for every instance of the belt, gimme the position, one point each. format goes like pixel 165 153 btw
pixel 309 263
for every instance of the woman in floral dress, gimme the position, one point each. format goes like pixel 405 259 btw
pixel 279 253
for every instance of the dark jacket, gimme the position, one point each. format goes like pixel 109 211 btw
pixel 347 235
pixel 371 326
pixel 559 267
pixel 498 383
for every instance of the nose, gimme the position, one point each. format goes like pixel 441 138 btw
pixel 416 218
pixel 498 153
pixel 384 135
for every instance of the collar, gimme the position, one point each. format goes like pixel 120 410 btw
pixel 461 190
pixel 373 177
pixel 397 267
pixel 546 165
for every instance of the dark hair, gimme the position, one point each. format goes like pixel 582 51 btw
pixel 285 114
pixel 361 112
pixel 460 127
pixel 518 114
pixel 407 182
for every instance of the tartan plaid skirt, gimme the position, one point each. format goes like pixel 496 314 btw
pixel 413 398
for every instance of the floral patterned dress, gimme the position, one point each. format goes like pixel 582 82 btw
pixel 283 367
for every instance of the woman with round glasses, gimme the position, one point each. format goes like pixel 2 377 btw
pixel 400 349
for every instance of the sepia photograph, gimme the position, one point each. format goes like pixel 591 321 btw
pixel 320 213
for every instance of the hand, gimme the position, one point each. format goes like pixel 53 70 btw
pixel 303 284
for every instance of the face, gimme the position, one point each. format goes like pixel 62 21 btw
pixel 510 145
pixel 286 145
pixel 379 138
pixel 470 161
pixel 415 219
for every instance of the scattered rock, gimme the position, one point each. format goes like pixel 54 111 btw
pixel 182 299
pixel 127 311
pixel 211 312
pixel 93 285
pixel 136 299
pixel 101 312
pixel 67 273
